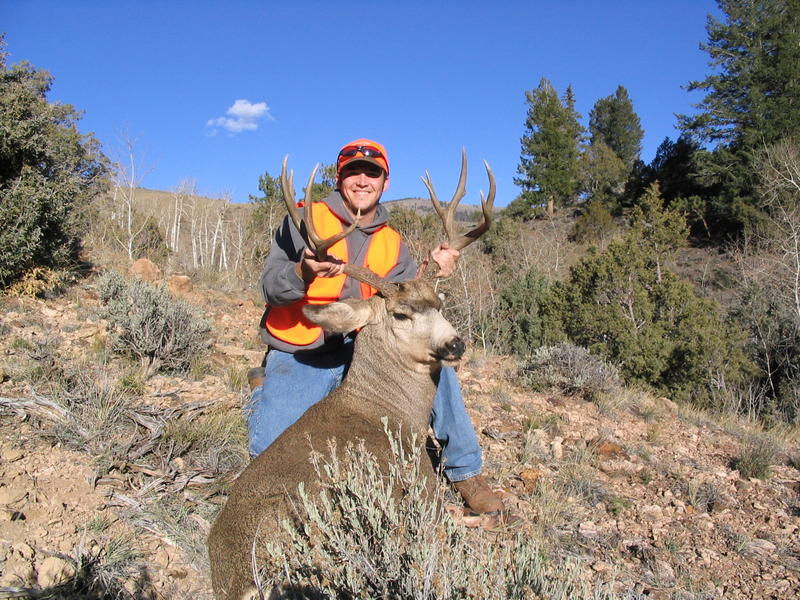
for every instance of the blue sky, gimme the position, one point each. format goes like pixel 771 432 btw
pixel 219 92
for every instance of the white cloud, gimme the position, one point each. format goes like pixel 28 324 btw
pixel 243 116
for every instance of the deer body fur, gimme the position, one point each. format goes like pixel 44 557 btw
pixel 403 342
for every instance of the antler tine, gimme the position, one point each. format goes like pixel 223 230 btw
pixel 459 242
pixel 487 204
pixel 314 241
pixel 318 245
pixel 447 215
pixel 287 185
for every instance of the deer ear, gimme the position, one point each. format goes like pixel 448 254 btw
pixel 341 317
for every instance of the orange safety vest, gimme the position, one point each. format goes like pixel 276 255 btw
pixel 288 323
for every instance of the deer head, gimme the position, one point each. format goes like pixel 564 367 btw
pixel 409 324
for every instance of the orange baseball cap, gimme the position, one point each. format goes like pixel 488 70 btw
pixel 364 150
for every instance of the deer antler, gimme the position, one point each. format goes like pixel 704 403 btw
pixel 455 241
pixel 318 245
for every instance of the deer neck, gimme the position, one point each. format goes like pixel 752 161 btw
pixel 380 380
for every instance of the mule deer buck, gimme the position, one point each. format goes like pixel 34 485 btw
pixel 403 342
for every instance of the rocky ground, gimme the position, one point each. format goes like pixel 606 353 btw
pixel 635 488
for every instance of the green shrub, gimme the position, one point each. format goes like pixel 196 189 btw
pixel 519 313
pixel 793 459
pixel 150 242
pixel 420 230
pixel 625 305
pixel 148 324
pixel 38 281
pixel 595 224
pixel 48 172
pixel 616 505
pixel 570 370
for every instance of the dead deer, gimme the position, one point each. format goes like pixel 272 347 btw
pixel 403 342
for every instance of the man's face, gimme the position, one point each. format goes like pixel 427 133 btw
pixel 361 185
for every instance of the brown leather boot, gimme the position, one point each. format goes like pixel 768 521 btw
pixel 478 496
pixel 255 377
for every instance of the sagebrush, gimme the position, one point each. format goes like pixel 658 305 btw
pixel 571 370
pixel 147 323
pixel 378 533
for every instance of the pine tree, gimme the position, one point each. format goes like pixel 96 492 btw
pixel 549 164
pixel 752 99
pixel 678 169
pixel 613 122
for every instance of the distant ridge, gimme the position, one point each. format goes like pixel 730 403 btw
pixel 423 206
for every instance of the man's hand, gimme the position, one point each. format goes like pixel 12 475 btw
pixel 447 259
pixel 310 268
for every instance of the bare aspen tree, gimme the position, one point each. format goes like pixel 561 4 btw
pixel 193 232
pixel 127 179
pixel 470 292
pixel 185 189
pixel 238 240
pixel 175 225
pixel 780 168
pixel 218 243
pixel 212 243
pixel 201 232
pixel 768 258
pixel 221 237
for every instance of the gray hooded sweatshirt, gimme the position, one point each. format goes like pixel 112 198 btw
pixel 281 285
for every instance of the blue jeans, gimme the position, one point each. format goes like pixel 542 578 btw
pixel 293 384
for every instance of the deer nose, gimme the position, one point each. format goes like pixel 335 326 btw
pixel 455 347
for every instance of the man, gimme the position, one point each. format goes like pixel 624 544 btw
pixel 304 364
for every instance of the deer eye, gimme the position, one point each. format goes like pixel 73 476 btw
pixel 401 316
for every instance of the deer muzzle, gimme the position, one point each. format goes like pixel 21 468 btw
pixel 452 350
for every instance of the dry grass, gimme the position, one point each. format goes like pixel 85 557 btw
pixel 756 457
pixel 37 282
pixel 110 570
pixel 216 442
pixel 703 496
